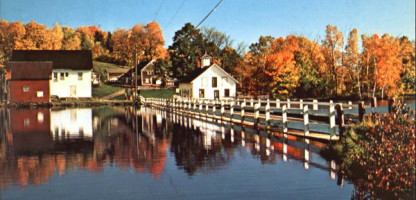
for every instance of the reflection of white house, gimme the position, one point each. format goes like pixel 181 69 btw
pixel 208 82
pixel 71 70
pixel 71 123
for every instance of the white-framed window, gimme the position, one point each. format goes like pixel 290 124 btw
pixel 55 76
pixel 62 76
pixel 226 92
pixel 25 88
pixel 214 82
pixel 80 76
pixel 39 94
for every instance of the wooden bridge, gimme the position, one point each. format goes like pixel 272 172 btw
pixel 309 119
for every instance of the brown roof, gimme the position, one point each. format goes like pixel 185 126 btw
pixel 62 59
pixel 30 70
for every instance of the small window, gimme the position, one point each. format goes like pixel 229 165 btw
pixel 25 88
pixel 80 76
pixel 39 94
pixel 201 93
pixel 55 76
pixel 66 74
pixel 214 82
pixel 226 92
pixel 62 76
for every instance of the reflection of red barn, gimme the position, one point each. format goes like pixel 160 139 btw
pixel 29 81
pixel 31 130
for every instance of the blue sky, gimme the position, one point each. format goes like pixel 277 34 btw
pixel 243 20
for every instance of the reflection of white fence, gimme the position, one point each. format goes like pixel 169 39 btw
pixel 321 120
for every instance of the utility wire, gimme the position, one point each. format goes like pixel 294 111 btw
pixel 158 10
pixel 209 13
pixel 177 11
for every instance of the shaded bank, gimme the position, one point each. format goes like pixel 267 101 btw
pixel 378 156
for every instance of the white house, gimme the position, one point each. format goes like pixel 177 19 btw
pixel 71 70
pixel 209 81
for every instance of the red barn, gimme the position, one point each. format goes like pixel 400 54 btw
pixel 29 81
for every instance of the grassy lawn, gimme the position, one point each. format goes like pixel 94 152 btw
pixel 104 90
pixel 157 93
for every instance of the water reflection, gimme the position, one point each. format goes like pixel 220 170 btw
pixel 39 143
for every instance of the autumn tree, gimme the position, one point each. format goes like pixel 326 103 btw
pixel 70 40
pixel 56 36
pixel 408 74
pixel 251 71
pixel 36 37
pixel 309 61
pixel 331 47
pixel 11 35
pixel 352 63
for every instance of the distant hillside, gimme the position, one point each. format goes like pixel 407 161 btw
pixel 100 68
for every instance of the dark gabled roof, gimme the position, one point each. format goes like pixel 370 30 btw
pixel 140 66
pixel 197 72
pixel 30 70
pixel 62 59
pixel 193 75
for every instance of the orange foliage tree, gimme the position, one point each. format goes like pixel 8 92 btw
pixel 331 48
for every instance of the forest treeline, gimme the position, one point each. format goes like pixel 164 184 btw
pixel 355 66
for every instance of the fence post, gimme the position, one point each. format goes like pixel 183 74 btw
pixel 222 109
pixel 267 114
pixel 214 107
pixel 340 119
pixel 231 110
pixel 315 104
pixel 288 103
pixel 251 102
pixel 306 120
pixel 284 116
pixel 206 107
pixel 256 113
pixel 332 126
pixel 391 103
pixel 200 107
pixel 243 105
pixel 361 111
pixel 349 105
pixel 277 103
pixel 301 104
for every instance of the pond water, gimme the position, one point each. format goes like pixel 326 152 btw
pixel 143 153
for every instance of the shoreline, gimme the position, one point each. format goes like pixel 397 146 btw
pixel 70 104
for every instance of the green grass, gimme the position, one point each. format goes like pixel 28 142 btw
pixel 104 90
pixel 168 93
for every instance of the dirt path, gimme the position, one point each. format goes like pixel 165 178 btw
pixel 108 97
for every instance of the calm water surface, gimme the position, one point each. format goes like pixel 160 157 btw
pixel 126 153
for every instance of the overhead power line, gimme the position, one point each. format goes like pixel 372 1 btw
pixel 158 10
pixel 209 13
pixel 177 11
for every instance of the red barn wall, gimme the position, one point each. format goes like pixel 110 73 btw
pixel 17 94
